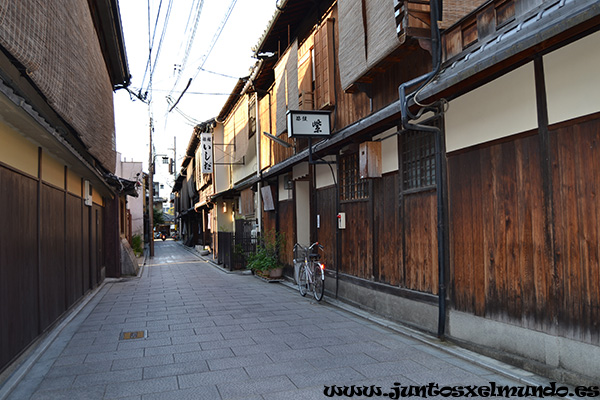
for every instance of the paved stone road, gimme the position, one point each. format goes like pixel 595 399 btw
pixel 214 335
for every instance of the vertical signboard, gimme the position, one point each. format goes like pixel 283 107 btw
pixel 207 153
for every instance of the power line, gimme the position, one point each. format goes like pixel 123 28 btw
pixel 211 46
pixel 164 31
pixel 190 41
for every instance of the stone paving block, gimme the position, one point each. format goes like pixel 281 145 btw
pixel 372 349
pixel 259 348
pixel 106 378
pixel 238 321
pixel 143 343
pixel 306 343
pixel 114 355
pixel 281 356
pixel 204 355
pixel 56 383
pixel 273 337
pixel 82 341
pixel 290 368
pixel 145 319
pixel 87 393
pixel 265 325
pixel 79 369
pixel 304 394
pixel 382 354
pixel 150 361
pixel 70 360
pixel 219 344
pixel 239 361
pixel 181 339
pixel 173 349
pixel 391 368
pixel 141 387
pixel 242 390
pixel 328 361
pixel 336 376
pixel 180 368
pixel 256 335
pixel 197 393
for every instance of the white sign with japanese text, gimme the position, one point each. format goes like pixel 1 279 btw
pixel 207 153
pixel 308 123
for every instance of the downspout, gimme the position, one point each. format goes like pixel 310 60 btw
pixel 407 116
pixel 258 160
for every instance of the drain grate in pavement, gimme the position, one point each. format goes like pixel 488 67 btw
pixel 133 335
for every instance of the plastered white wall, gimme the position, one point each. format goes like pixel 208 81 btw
pixel 503 107
pixel 389 151
pixel 323 173
pixel 572 81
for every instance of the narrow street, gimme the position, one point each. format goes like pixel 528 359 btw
pixel 210 334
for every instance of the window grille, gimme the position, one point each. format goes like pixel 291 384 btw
pixel 418 160
pixel 351 186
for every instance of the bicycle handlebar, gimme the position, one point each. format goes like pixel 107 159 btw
pixel 316 244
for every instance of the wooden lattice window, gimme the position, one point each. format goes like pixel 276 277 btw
pixel 351 186
pixel 418 160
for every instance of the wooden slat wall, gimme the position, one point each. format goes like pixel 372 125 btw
pixel 52 277
pixel 74 256
pixel 399 246
pixel 501 259
pixel 388 235
pixel 420 242
pixel 357 240
pixel 288 228
pixel 66 256
pixel 576 182
pixel 325 208
pixel 505 264
pixel 18 264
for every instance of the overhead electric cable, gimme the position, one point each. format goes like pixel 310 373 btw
pixel 188 47
pixel 164 31
pixel 211 46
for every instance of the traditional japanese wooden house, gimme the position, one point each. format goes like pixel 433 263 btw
pixel 459 190
pixel 61 233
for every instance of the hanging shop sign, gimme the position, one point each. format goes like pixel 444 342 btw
pixel 308 123
pixel 207 153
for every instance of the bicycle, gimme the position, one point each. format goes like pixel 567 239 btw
pixel 311 272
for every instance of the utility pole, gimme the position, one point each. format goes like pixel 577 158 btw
pixel 151 188
pixel 150 148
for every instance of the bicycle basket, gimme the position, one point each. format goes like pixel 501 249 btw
pixel 299 253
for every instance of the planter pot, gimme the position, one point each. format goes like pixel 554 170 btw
pixel 276 273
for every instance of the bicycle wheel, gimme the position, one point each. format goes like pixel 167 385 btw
pixel 302 280
pixel 318 281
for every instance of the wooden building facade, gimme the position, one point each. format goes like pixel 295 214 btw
pixel 477 221
pixel 515 252
pixel 61 234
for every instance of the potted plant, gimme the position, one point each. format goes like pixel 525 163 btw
pixel 265 260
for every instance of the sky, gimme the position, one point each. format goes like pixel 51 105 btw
pixel 214 72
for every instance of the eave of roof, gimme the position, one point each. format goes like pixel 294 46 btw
pixel 547 21
pixel 107 20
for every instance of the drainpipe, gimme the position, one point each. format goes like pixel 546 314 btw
pixel 407 116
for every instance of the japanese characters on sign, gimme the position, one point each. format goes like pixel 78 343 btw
pixel 308 123
pixel 207 154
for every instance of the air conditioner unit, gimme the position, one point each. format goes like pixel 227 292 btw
pixel 87 193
